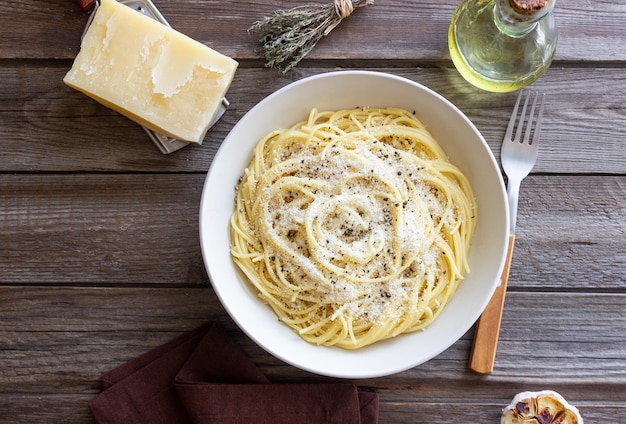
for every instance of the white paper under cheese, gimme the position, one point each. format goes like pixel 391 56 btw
pixel 151 73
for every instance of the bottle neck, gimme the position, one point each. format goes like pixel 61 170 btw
pixel 516 24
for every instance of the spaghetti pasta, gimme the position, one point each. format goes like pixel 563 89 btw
pixel 353 225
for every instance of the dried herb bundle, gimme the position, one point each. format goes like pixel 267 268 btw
pixel 289 35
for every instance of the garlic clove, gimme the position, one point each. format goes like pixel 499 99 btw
pixel 543 407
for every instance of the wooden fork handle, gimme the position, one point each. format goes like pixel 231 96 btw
pixel 487 330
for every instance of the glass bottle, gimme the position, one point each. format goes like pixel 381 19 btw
pixel 502 45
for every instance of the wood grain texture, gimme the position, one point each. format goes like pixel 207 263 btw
pixel 113 229
pixel 100 258
pixel 385 30
pixel 25 408
pixel 142 229
pixel 93 330
pixel 47 126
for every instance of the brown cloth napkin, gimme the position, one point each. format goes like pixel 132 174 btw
pixel 203 377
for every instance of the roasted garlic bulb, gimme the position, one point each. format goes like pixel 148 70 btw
pixel 544 407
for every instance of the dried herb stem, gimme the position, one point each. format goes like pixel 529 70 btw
pixel 289 35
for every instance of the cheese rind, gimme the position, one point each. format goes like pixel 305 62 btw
pixel 151 73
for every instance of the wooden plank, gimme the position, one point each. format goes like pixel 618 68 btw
pixel 40 29
pixel 28 409
pixel 70 342
pixel 446 412
pixel 46 408
pixel 47 126
pixel 110 229
pixel 419 30
pixel 56 342
pixel 571 232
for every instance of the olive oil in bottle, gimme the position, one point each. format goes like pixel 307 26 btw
pixel 502 45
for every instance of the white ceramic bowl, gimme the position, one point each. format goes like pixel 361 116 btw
pixel 465 147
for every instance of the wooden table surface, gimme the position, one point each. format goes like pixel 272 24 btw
pixel 99 249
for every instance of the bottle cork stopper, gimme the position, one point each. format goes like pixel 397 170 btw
pixel 528 7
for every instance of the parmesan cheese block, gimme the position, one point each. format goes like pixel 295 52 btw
pixel 151 73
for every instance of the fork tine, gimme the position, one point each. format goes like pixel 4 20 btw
pixel 522 120
pixel 509 129
pixel 539 118
pixel 529 124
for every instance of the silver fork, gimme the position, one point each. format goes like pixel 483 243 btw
pixel 518 156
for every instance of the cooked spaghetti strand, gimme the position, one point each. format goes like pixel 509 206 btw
pixel 353 225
